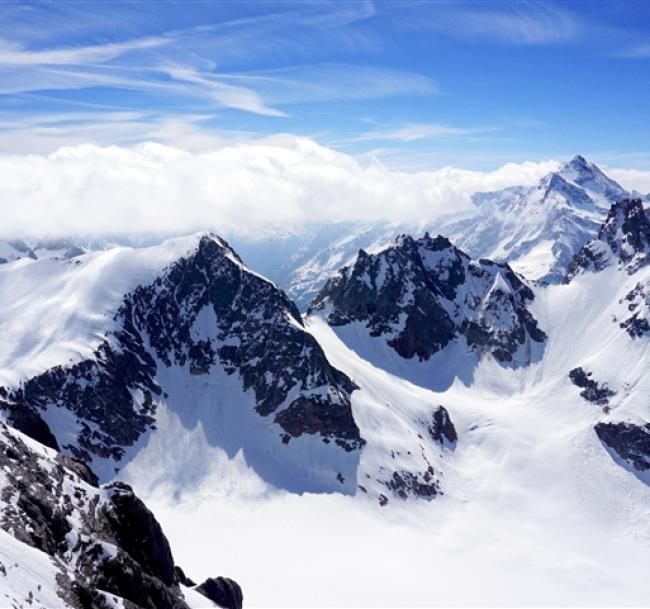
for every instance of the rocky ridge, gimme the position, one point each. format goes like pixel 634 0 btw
pixel 623 240
pixel 420 295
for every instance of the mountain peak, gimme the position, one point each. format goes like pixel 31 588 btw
pixel 422 294
pixel 579 162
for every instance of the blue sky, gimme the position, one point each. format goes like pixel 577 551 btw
pixel 416 84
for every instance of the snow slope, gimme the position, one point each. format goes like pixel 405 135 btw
pixel 523 505
pixel 56 310
pixel 535 509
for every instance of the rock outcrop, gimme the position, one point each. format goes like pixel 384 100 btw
pixel 223 591
pixel 420 295
pixel 102 540
pixel 592 391
pixel 623 240
pixel 629 441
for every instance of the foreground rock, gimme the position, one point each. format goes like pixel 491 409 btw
pixel 101 542
pixel 223 591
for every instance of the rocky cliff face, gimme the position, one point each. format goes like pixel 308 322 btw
pixel 204 312
pixel 102 544
pixel 623 240
pixel 420 295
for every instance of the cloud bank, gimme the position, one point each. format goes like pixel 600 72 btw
pixel 247 189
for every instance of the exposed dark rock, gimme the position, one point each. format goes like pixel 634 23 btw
pixel 423 294
pixel 223 591
pixel 27 420
pixel 441 429
pixel 637 302
pixel 138 533
pixel 623 239
pixel 631 442
pixel 182 578
pixel 100 392
pixel 592 391
pixel 319 416
pixel 104 539
pixel 405 483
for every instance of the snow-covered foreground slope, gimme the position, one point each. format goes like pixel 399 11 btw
pixel 536 509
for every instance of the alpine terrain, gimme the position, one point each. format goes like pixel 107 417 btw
pixel 536 229
pixel 468 402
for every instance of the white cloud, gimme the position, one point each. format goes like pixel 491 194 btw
pixel 49 132
pixel 229 96
pixel 280 182
pixel 193 66
pixel 631 179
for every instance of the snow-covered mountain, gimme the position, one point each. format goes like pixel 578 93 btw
pixel 421 296
pixel 426 399
pixel 14 249
pixel 623 240
pixel 11 250
pixel 538 230
pixel 301 263
pixel 183 328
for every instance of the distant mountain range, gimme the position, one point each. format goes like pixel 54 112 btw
pixel 537 230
